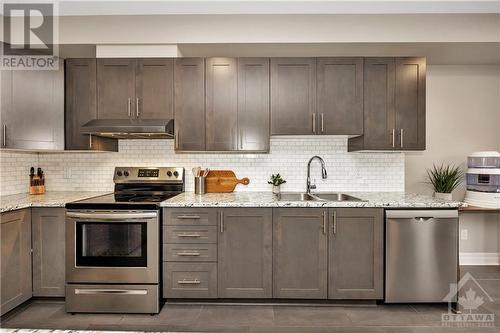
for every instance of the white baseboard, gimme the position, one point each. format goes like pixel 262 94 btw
pixel 479 258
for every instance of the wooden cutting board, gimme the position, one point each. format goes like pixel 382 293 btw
pixel 223 181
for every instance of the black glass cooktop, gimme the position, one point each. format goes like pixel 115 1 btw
pixel 125 200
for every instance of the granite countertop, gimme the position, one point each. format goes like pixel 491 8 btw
pixel 267 199
pixel 49 199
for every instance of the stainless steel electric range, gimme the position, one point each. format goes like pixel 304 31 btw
pixel 113 243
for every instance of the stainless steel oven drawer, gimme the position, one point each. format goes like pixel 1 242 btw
pixel 189 280
pixel 114 298
pixel 189 234
pixel 190 252
pixel 190 216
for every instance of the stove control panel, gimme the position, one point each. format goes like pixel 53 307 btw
pixel 145 175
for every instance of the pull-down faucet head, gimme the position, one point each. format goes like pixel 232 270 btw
pixel 324 174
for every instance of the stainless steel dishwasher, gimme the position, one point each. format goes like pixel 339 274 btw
pixel 421 255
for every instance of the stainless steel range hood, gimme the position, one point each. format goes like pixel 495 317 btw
pixel 131 128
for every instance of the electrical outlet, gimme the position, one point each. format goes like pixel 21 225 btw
pixel 464 234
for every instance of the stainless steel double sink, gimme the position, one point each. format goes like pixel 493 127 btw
pixel 297 196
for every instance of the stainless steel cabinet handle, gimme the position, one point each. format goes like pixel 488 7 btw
pixel 176 139
pixel 190 217
pixel 322 122
pixel 401 138
pixel 221 215
pixel 137 107
pixel 324 224
pixel 4 136
pixel 195 281
pixel 393 138
pixel 110 291
pixel 128 107
pixel 188 254
pixel 334 222
pixel 90 140
pixel 314 122
pixel 189 235
pixel 111 216
pixel 241 139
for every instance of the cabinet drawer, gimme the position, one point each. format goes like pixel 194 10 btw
pixel 186 280
pixel 190 234
pixel 190 252
pixel 190 216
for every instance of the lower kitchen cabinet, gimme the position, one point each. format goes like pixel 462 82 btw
pixel 48 234
pixel 356 253
pixel 245 253
pixel 300 253
pixel 15 255
pixel 189 280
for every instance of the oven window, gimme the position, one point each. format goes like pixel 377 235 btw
pixel 112 244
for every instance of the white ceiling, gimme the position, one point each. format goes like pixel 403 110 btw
pixel 169 7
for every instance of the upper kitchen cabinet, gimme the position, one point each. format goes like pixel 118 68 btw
pixel 394 105
pixel 340 96
pixel 293 96
pixel 221 104
pixel 116 88
pixel 231 102
pixel 410 103
pixel 32 112
pixel 81 106
pixel 189 110
pixel 253 104
pixel 154 88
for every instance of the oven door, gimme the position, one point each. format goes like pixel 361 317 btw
pixel 112 247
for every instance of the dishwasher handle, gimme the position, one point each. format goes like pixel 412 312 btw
pixel 422 214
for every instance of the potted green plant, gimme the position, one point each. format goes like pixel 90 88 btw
pixel 444 179
pixel 276 181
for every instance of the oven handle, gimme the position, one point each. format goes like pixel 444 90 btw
pixel 110 291
pixel 112 216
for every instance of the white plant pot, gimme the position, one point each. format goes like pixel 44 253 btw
pixel 443 196
pixel 276 189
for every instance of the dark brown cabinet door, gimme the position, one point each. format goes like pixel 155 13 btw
pixel 32 113
pixel 253 104
pixel 115 88
pixel 293 96
pixel 340 96
pixel 221 104
pixel 245 257
pixel 356 253
pixel 48 239
pixel 410 103
pixel 379 88
pixel 154 89
pixel 189 110
pixel 300 253
pixel 15 259
pixel 81 99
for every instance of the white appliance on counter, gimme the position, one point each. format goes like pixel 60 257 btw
pixel 483 179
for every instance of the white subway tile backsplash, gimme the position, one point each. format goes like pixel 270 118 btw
pixel 288 156
pixel 14 171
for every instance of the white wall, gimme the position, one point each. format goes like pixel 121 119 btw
pixel 463 116
pixel 178 29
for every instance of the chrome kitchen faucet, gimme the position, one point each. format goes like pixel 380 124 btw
pixel 324 175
